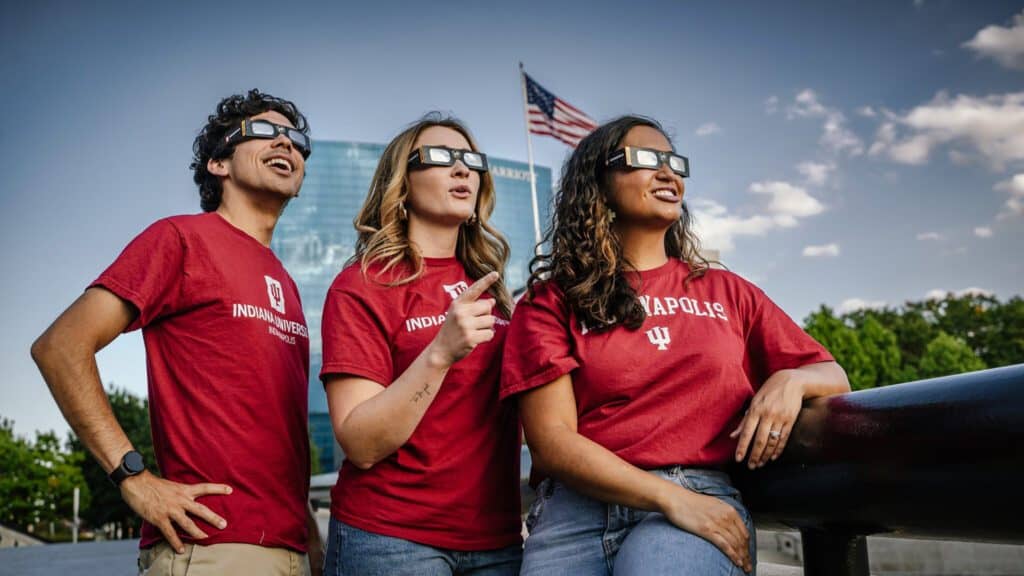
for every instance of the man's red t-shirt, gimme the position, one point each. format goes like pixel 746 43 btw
pixel 455 483
pixel 670 392
pixel 227 357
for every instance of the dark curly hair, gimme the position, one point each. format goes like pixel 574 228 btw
pixel 230 112
pixel 585 259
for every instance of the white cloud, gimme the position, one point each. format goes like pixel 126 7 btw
pixel 867 111
pixel 854 304
pixel 771 105
pixel 1003 44
pixel 835 135
pixel 975 291
pixel 815 173
pixel 992 125
pixel 929 236
pixel 708 129
pixel 939 294
pixel 983 232
pixel 825 250
pixel 1015 203
pixel 717 228
pixel 787 203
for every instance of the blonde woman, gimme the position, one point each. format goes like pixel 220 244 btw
pixel 413 331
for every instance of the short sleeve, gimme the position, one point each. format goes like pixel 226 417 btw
pixel 355 342
pixel 539 346
pixel 775 342
pixel 149 274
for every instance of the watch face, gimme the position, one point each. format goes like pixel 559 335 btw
pixel 133 463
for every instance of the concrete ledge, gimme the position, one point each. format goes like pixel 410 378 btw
pixel 769 569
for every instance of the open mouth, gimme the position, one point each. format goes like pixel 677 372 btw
pixel 460 192
pixel 666 194
pixel 279 164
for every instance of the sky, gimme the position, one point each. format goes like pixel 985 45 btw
pixel 851 154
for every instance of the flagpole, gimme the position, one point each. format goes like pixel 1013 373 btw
pixel 529 153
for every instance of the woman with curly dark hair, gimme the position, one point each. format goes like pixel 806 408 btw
pixel 640 372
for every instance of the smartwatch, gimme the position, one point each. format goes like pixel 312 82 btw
pixel 131 465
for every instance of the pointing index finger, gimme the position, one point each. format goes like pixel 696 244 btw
pixel 478 287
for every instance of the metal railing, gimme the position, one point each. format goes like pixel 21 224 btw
pixel 935 458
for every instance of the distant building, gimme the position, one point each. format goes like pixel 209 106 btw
pixel 315 237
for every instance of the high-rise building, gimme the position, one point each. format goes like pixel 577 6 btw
pixel 315 237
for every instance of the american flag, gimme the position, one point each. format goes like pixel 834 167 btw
pixel 552 116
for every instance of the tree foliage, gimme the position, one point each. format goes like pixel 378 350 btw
pixel 948 355
pixel 931 338
pixel 38 480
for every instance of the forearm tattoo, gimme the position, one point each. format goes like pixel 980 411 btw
pixel 422 393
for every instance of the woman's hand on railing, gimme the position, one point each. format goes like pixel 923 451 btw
pixel 765 427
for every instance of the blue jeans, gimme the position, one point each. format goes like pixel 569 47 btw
pixel 572 534
pixel 355 552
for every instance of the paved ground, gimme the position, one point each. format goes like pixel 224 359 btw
pixel 115 558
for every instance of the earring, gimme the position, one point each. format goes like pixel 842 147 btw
pixel 403 215
pixel 611 215
pixel 472 219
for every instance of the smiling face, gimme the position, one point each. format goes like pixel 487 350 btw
pixel 643 197
pixel 263 166
pixel 443 194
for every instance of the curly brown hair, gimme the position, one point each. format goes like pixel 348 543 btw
pixel 383 228
pixel 585 259
pixel 230 111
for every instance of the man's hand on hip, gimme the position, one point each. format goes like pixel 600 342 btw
pixel 164 503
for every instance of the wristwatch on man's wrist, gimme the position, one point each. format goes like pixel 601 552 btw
pixel 131 465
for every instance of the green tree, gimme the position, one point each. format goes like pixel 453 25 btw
pixel 947 355
pixel 38 482
pixel 966 317
pixel 1003 344
pixel 881 348
pixel 911 331
pixel 843 343
pixel 132 412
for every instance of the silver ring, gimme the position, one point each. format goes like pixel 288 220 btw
pixel 775 434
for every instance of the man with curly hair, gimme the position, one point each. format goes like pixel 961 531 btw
pixel 227 356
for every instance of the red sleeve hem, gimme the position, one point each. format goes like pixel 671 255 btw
pixel 124 293
pixel 537 380
pixel 354 370
pixel 817 358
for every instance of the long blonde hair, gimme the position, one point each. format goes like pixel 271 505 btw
pixel 383 222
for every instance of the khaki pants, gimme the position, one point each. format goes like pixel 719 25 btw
pixel 222 559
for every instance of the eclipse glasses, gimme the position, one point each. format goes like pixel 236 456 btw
pixel 264 129
pixel 650 159
pixel 426 156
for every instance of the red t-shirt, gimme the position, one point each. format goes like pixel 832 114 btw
pixel 455 483
pixel 670 392
pixel 227 358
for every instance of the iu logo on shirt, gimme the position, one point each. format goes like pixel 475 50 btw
pixel 659 337
pixel 276 294
pixel 454 290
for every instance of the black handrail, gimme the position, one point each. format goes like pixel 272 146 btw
pixel 937 458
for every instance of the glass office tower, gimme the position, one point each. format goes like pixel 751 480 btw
pixel 315 238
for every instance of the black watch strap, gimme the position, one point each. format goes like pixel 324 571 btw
pixel 131 465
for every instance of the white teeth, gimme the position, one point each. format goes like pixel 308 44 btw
pixel 667 194
pixel 279 163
